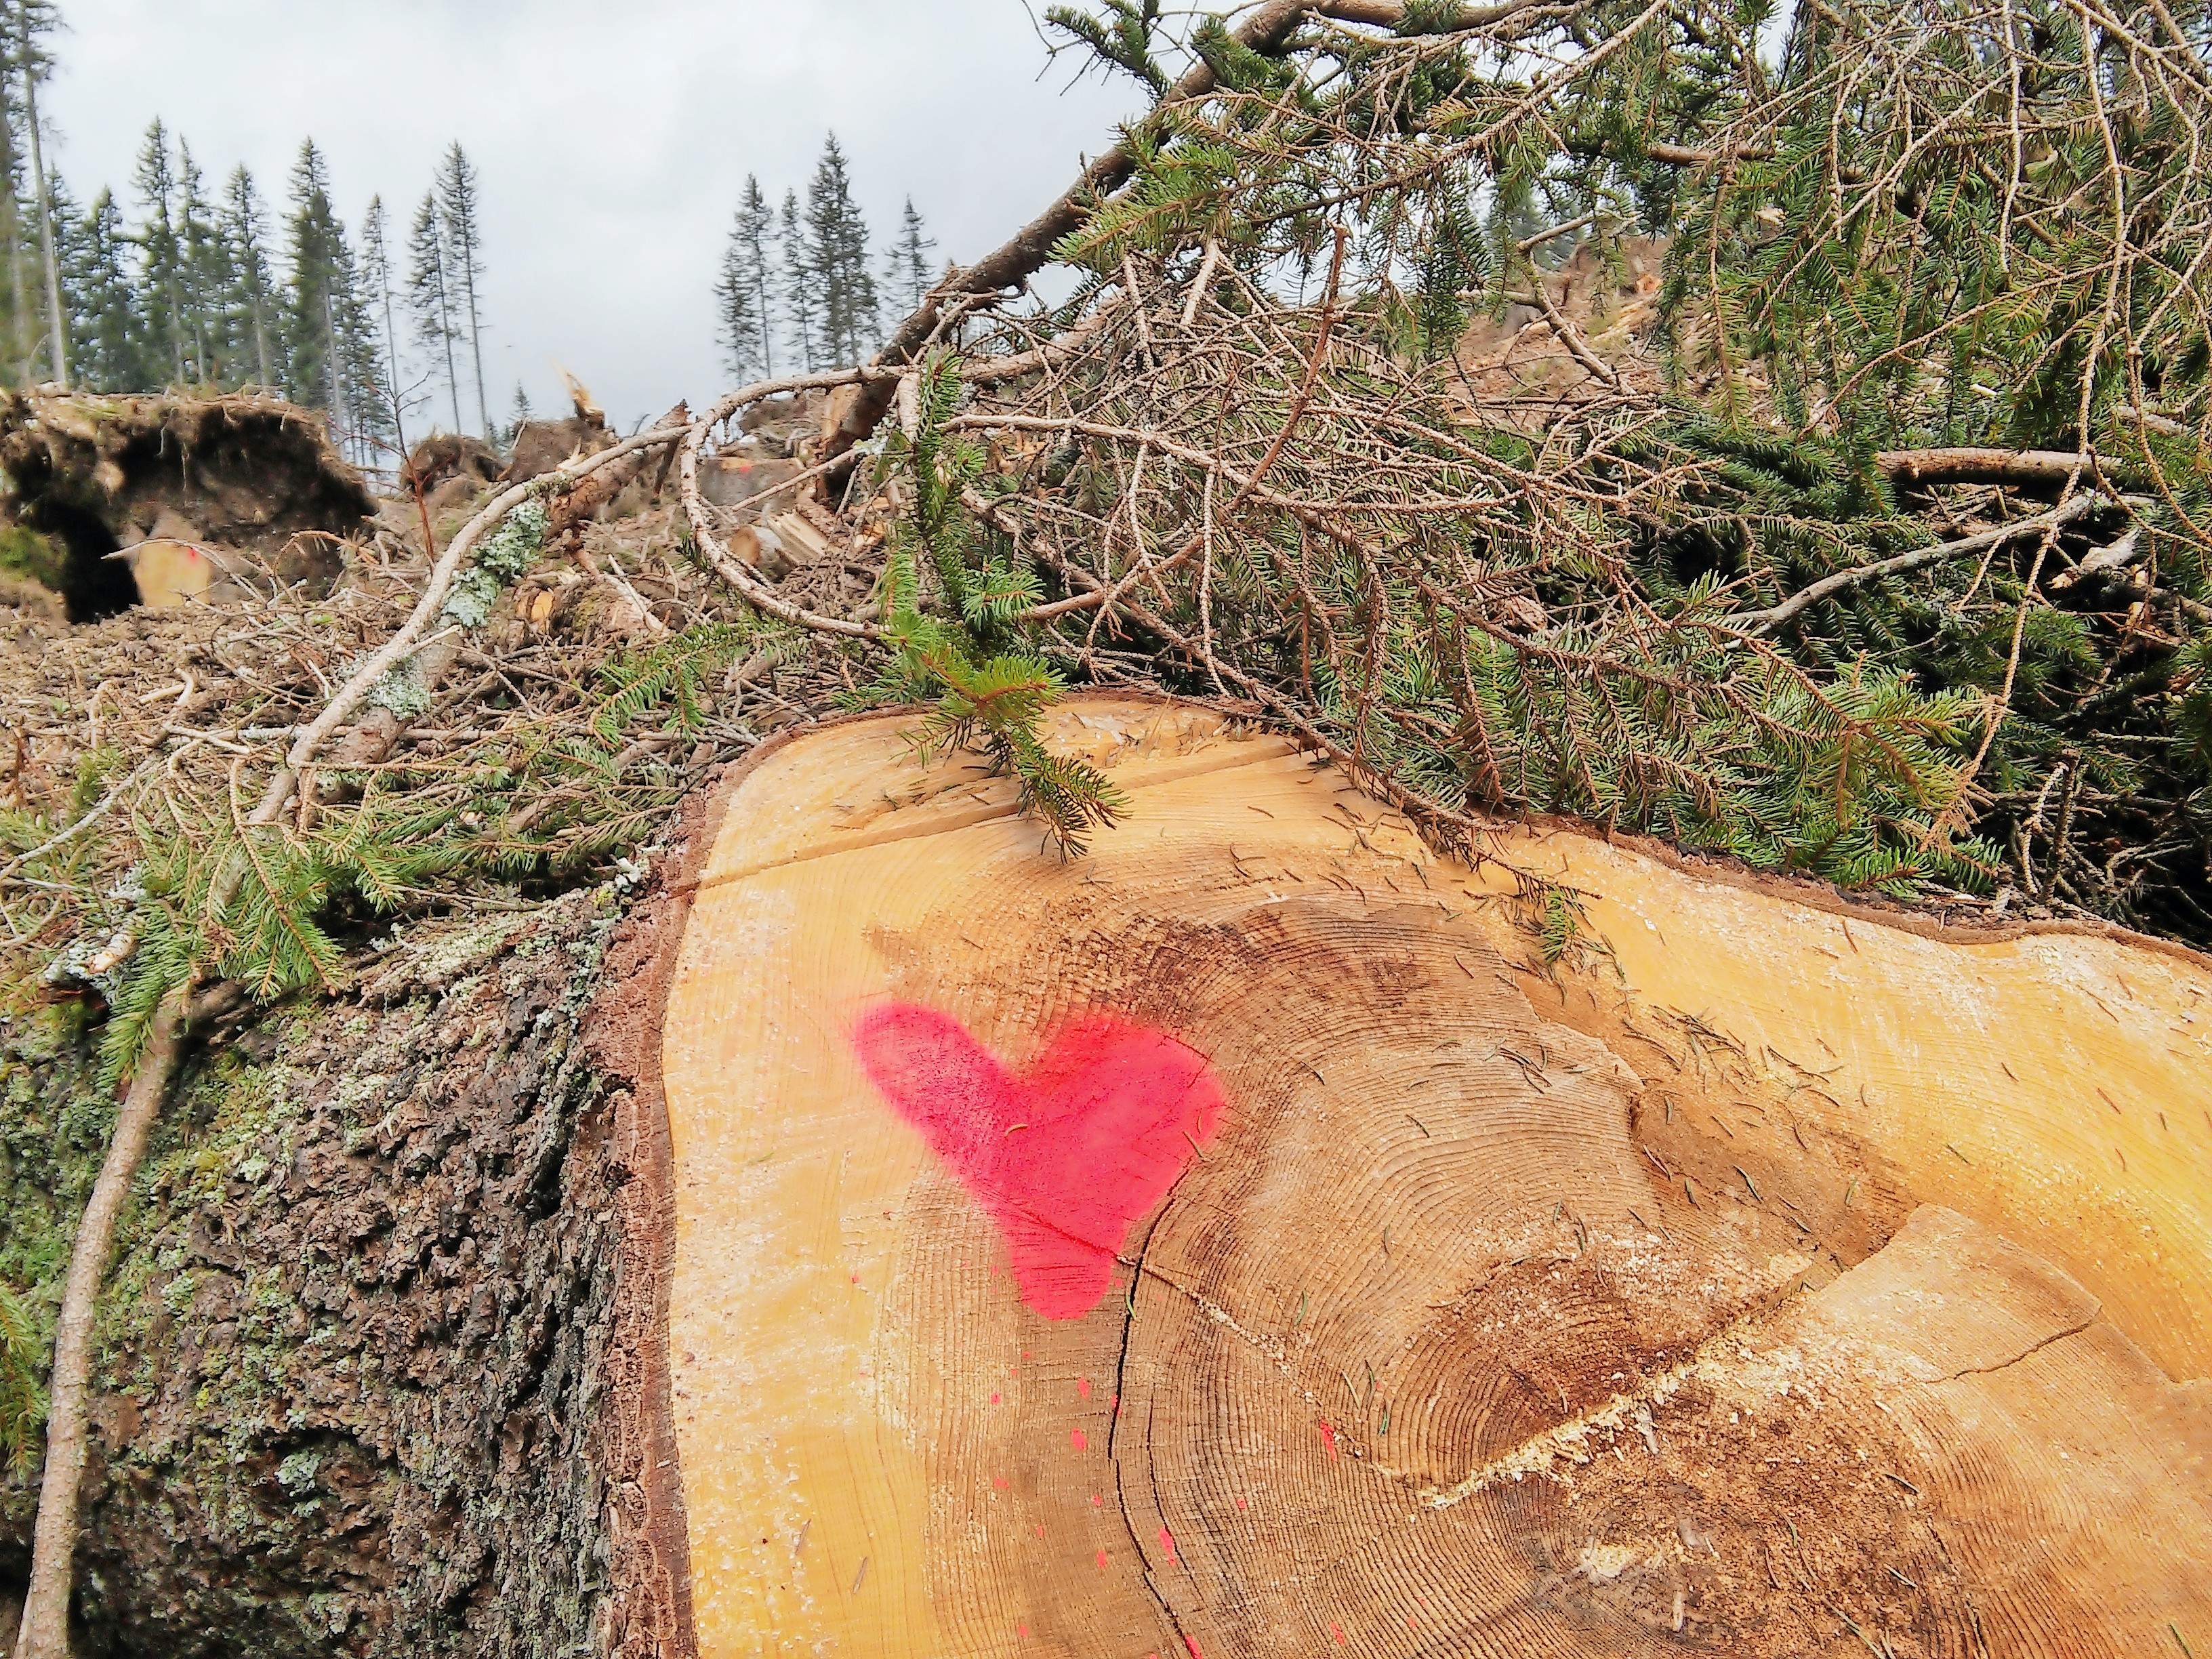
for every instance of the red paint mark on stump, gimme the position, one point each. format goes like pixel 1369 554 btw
pixel 1101 1560
pixel 1337 1631
pixel 1080 1440
pixel 1328 1434
pixel 994 1399
pixel 1167 1543
pixel 1082 1387
pixel 1191 1641
pixel 1112 1111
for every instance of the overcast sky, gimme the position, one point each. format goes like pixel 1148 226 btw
pixel 612 139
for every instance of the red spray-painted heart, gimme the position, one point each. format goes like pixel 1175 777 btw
pixel 1067 1159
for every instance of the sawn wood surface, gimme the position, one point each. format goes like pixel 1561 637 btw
pixel 1764 1277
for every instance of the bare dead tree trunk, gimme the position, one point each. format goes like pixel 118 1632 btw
pixel 12 219
pixel 1928 468
pixel 391 353
pixel 476 347
pixel 57 320
pixel 336 387
pixel 261 343
pixel 446 336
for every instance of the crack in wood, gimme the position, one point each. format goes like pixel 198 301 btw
pixel 1114 1443
pixel 2030 1350
pixel 1539 1453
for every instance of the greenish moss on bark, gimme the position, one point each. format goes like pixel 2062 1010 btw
pixel 350 1345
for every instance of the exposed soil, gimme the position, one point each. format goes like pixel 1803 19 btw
pixel 250 475
pixel 443 456
pixel 541 446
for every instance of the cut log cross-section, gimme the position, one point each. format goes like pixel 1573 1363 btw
pixel 1243 1241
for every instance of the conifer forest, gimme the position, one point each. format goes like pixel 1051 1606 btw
pixel 1436 880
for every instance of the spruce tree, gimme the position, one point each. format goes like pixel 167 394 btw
pixel 377 283
pixel 836 256
pixel 802 292
pixel 909 274
pixel 744 295
pixel 162 256
pixel 430 297
pixel 250 300
pixel 103 301
pixel 317 255
pixel 518 416
pixel 368 400
pixel 458 208
pixel 206 274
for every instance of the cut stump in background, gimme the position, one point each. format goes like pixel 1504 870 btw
pixel 1242 1242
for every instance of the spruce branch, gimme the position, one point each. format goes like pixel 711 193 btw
pixel 2044 525
pixel 22 1394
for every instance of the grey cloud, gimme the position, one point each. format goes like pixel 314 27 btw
pixel 612 139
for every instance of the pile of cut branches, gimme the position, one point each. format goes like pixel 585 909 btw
pixel 1877 553
pixel 1880 555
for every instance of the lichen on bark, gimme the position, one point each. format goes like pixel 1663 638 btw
pixel 351 1348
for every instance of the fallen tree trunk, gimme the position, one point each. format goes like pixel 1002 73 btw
pixel 360 1367
pixel 1265 1236
pixel 45 1617
pixel 1307 1232
pixel 44 1627
pixel 2025 468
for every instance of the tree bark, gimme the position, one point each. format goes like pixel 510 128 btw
pixel 2030 468
pixel 363 1371
pixel 44 1633
pixel 588 483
